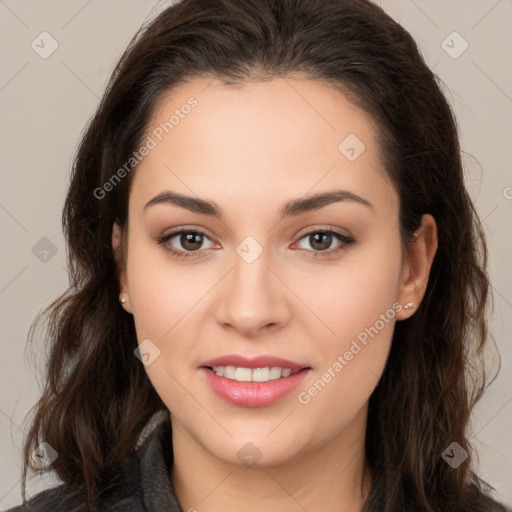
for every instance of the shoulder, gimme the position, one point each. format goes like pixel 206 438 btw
pixel 486 504
pixel 120 495
pixel 73 499
pixel 143 483
pixel 481 499
pixel 56 499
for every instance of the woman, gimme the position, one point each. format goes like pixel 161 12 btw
pixel 279 280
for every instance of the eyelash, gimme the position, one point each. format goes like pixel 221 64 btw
pixel 344 239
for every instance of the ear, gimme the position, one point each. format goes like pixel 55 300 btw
pixel 416 266
pixel 119 256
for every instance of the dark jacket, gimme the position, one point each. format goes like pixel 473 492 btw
pixel 146 485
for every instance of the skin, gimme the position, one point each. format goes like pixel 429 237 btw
pixel 250 149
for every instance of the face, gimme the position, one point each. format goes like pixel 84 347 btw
pixel 319 285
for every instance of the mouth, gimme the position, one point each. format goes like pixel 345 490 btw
pixel 242 374
pixel 255 382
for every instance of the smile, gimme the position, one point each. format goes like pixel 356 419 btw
pixel 241 374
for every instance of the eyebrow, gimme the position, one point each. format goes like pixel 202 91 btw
pixel 291 208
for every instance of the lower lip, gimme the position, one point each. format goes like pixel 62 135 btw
pixel 253 394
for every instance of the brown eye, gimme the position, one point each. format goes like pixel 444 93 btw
pixel 191 241
pixel 321 242
pixel 187 242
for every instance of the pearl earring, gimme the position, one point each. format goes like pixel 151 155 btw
pixel 123 300
pixel 409 305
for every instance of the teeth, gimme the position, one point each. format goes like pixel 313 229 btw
pixel 260 375
pixel 275 373
pixel 243 375
pixel 253 374
pixel 229 372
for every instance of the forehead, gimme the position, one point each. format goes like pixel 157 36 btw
pixel 284 136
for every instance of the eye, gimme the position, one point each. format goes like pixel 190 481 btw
pixel 189 239
pixel 321 240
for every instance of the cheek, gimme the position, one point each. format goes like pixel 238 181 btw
pixel 354 295
pixel 161 293
pixel 358 305
pixel 162 300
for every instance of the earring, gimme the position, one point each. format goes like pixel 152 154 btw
pixel 409 305
pixel 122 300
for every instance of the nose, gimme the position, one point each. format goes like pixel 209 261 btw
pixel 253 299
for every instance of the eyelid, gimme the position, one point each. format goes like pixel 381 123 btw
pixel 324 228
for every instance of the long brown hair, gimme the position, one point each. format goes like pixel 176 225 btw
pixel 97 396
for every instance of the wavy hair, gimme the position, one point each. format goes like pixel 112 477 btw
pixel 435 372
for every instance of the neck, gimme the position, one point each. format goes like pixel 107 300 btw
pixel 327 478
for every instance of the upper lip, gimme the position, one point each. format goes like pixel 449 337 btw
pixel 263 361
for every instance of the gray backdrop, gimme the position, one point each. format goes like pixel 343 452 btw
pixel 56 57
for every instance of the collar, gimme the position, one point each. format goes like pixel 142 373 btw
pixel 147 472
